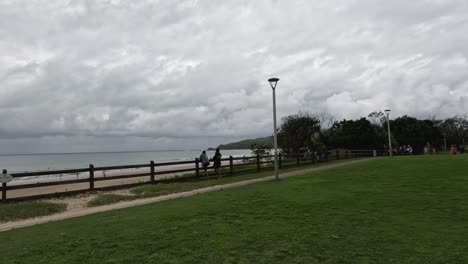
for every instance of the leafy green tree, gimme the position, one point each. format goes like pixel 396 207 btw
pixel 415 132
pixel 298 133
pixel 356 134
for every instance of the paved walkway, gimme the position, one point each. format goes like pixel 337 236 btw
pixel 92 210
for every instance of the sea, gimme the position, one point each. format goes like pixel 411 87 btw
pixel 58 161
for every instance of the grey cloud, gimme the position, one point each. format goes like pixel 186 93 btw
pixel 148 70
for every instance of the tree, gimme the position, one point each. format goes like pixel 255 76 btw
pixel 454 128
pixel 300 132
pixel 356 134
pixel 415 132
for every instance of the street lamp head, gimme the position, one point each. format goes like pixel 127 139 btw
pixel 387 111
pixel 273 82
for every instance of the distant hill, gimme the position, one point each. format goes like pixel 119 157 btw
pixel 246 144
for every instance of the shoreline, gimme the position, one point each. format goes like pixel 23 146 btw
pixel 51 162
pixel 19 193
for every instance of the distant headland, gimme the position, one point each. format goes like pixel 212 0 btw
pixel 246 144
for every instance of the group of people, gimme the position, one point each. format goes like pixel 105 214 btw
pixel 205 161
pixel 428 149
pixel 401 150
pixel 321 156
pixel 454 149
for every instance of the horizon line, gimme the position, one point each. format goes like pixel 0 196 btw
pixel 95 152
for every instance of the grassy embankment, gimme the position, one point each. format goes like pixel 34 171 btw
pixel 24 210
pixel 399 210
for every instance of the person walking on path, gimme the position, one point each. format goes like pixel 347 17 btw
pixel 217 163
pixel 205 163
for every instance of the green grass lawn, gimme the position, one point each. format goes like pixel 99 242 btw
pixel 398 210
pixel 188 182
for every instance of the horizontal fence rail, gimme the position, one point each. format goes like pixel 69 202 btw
pixel 86 178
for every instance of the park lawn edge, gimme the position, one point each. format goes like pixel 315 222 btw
pixel 160 189
pixel 22 210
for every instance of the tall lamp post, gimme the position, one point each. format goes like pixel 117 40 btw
pixel 273 82
pixel 390 150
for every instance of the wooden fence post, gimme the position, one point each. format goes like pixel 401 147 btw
pixel 258 162
pixel 346 154
pixel 4 188
pixel 197 168
pixel 298 160
pixel 337 154
pixel 91 177
pixel 374 153
pixel 231 165
pixel 279 161
pixel 152 170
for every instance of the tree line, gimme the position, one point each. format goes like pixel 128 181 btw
pixel 317 132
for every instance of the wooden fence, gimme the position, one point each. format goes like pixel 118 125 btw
pixel 230 166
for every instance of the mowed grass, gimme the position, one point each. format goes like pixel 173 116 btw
pixel 188 182
pixel 398 210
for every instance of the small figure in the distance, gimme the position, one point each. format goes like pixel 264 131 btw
pixel 453 150
pixel 217 163
pixel 205 163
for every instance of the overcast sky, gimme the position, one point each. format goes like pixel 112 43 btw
pixel 145 75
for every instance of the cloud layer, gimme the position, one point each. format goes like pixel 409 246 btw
pixel 161 74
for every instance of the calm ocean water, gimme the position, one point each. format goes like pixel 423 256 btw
pixel 21 163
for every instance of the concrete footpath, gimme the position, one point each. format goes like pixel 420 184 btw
pixel 92 210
